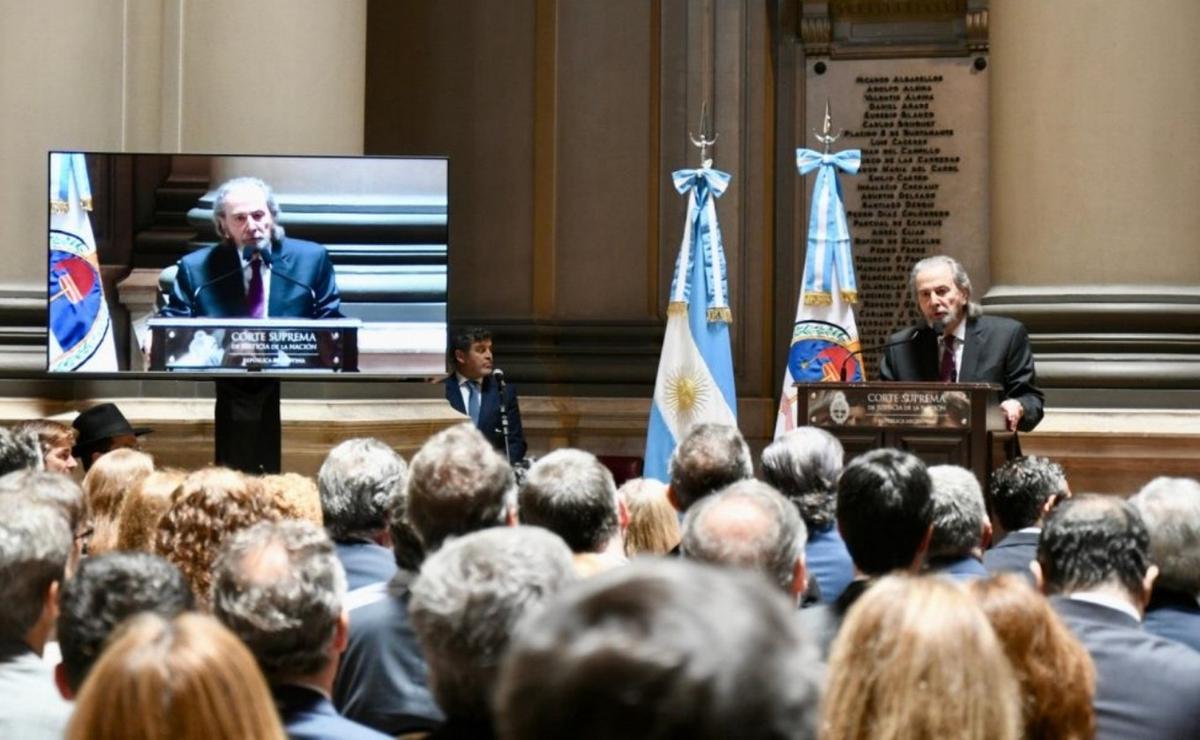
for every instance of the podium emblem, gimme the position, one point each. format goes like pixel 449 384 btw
pixel 839 408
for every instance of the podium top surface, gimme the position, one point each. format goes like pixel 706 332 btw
pixel 242 323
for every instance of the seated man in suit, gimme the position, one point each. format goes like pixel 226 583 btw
pixel 958 344
pixel 1094 561
pixel 473 389
pixel 255 271
pixel 1021 493
pixel 1171 509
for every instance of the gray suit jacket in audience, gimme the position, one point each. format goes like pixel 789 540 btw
pixel 1146 686
pixel 1013 554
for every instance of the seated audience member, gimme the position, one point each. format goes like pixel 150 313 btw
pixel 102 429
pixel 279 587
pixel 662 649
pixel 1020 494
pixel 19 451
pixel 203 681
pixel 1171 509
pixel 916 658
pixel 35 543
pixel 355 481
pixel 961 529
pixel 1094 562
pixel 1052 667
pixel 107 590
pixel 749 525
pixel 570 493
pixel 137 522
pixel 210 505
pixel 804 465
pixel 885 515
pixel 59 492
pixel 296 496
pixel 708 458
pixel 466 603
pixel 653 523
pixel 457 484
pixel 105 486
pixel 55 440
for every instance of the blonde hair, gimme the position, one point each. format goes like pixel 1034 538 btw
pixel 187 679
pixel 296 495
pixel 653 522
pixel 916 658
pixel 1053 668
pixel 104 488
pixel 137 522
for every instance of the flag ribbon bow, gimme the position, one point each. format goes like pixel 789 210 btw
pixel 828 235
pixel 702 234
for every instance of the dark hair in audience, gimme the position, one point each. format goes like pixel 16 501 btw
pixel 1090 541
pixel 457 483
pixel 765 532
pixel 804 466
pixel 662 648
pixel 279 587
pixel 1170 507
pixel 884 509
pixel 35 542
pixel 1019 489
pixel 106 590
pixel 355 482
pixel 19 450
pixel 570 493
pixel 467 601
pixel 710 457
pixel 1053 668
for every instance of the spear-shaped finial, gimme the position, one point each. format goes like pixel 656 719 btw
pixel 703 143
pixel 825 137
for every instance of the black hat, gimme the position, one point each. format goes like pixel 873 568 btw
pixel 100 423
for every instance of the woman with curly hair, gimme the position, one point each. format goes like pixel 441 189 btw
pixel 137 522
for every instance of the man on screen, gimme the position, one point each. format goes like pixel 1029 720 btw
pixel 255 271
pixel 955 343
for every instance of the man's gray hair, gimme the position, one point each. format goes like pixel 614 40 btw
pixel 572 494
pixel 35 543
pixel 750 525
pixel 55 489
pixel 279 587
pixel 961 279
pixel 19 450
pixel 708 458
pixel 355 482
pixel 1171 509
pixel 468 600
pixel 958 511
pixel 244 182
pixel 804 466
pixel 457 483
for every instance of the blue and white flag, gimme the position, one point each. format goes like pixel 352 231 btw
pixel 825 335
pixel 80 336
pixel 695 370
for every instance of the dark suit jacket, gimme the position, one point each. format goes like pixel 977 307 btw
pixel 308 715
pixel 208 282
pixel 996 351
pixel 1013 554
pixel 1146 686
pixel 1175 616
pixel 957 568
pixel 489 414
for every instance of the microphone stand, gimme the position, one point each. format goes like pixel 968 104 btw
pixel 499 376
pixel 842 365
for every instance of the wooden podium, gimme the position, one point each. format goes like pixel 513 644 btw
pixel 941 423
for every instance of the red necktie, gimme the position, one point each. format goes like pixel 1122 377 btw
pixel 948 373
pixel 254 296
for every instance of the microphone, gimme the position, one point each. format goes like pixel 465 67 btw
pixel 268 260
pixel 498 374
pixel 937 326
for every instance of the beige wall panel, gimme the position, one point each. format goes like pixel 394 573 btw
pixel 605 65
pixel 1095 148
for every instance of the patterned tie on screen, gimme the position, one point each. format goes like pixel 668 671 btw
pixel 473 402
pixel 254 296
pixel 948 372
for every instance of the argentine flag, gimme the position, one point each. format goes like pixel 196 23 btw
pixel 695 370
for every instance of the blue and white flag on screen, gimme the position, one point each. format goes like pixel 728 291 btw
pixel 80 336
pixel 825 336
pixel 695 370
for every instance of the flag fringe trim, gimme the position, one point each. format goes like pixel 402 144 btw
pixel 819 298
pixel 850 296
pixel 677 308
pixel 724 314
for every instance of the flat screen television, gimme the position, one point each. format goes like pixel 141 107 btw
pixel 292 266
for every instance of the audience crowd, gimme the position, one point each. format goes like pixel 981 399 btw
pixel 872 597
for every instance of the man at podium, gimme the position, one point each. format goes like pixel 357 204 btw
pixel 255 271
pixel 956 343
